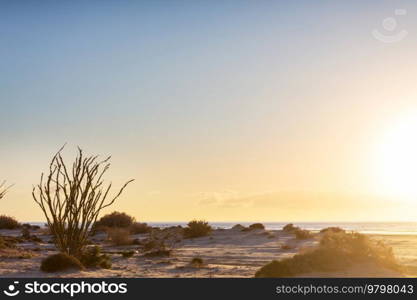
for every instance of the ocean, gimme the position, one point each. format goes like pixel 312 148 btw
pixel 383 228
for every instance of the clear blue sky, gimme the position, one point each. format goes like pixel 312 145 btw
pixel 187 94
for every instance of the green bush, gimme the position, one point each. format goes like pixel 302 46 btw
pixel 93 258
pixel 60 262
pixel 336 251
pixel 115 219
pixel 196 229
pixel 7 222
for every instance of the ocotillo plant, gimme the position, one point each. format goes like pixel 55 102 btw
pixel 72 198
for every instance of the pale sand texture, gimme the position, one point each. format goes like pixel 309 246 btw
pixel 226 253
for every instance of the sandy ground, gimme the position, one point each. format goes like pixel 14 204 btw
pixel 226 253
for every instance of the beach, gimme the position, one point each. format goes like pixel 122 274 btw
pixel 224 253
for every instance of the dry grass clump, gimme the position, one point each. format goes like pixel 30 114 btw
pixel 92 257
pixel 60 262
pixel 332 229
pixel 238 227
pixel 197 262
pixel 119 236
pixel 256 226
pixel 114 220
pixel 197 229
pixel 7 222
pixel 336 251
pixel 300 234
pixel 161 242
pixel 127 254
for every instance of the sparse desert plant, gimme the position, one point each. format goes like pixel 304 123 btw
pixel 138 228
pixel 302 234
pixel 162 242
pixel 119 236
pixel 332 229
pixel 238 227
pixel 336 251
pixel 256 226
pixel 4 189
pixel 72 198
pixel 7 222
pixel 92 257
pixel 197 229
pixel 127 254
pixel 25 233
pixel 286 247
pixel 115 220
pixel 197 262
pixel 60 262
pixel 289 227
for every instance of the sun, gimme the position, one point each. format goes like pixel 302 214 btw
pixel 396 159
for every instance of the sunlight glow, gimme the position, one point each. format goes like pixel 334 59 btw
pixel 396 159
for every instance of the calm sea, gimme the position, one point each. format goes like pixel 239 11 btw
pixel 404 228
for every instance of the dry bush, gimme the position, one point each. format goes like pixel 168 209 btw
pixel 93 258
pixel 256 226
pixel 196 229
pixel 138 228
pixel 162 242
pixel 238 227
pixel 71 199
pixel 119 236
pixel 7 222
pixel 301 234
pixel 289 227
pixel 336 251
pixel 332 229
pixel 115 220
pixel 197 262
pixel 127 254
pixel 60 262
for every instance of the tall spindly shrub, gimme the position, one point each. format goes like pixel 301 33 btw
pixel 71 198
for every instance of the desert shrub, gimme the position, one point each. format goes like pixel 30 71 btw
pixel 301 234
pixel 119 236
pixel 336 251
pixel 25 233
pixel 60 262
pixel 162 242
pixel 238 227
pixel 256 226
pixel 127 254
pixel 31 227
pixel 93 258
pixel 196 229
pixel 138 228
pixel 289 227
pixel 332 229
pixel 197 262
pixel 286 247
pixel 72 196
pixel 115 220
pixel 7 222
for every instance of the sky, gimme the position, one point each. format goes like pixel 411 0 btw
pixel 220 110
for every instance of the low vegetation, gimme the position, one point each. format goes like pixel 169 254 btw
pixel 256 226
pixel 197 229
pixel 115 220
pixel 161 242
pixel 7 222
pixel 60 262
pixel 197 262
pixel 92 257
pixel 127 254
pixel 139 228
pixel 300 234
pixel 119 236
pixel 336 251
